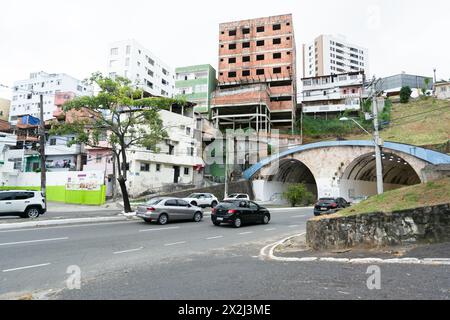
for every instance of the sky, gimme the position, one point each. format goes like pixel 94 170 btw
pixel 72 36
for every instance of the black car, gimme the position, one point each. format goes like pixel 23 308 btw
pixel 239 212
pixel 330 205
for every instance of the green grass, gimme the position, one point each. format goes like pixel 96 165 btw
pixel 422 195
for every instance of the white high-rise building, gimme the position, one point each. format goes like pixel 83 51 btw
pixel 131 60
pixel 25 96
pixel 329 54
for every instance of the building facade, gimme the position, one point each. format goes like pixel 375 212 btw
pixel 329 54
pixel 393 84
pixel 131 60
pixel 25 96
pixel 257 75
pixel 333 94
pixel 196 84
pixel 442 90
pixel 4 109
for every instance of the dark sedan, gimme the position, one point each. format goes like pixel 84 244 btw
pixel 239 212
pixel 330 205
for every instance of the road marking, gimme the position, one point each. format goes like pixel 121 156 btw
pixel 244 233
pixel 33 241
pixel 128 251
pixel 270 229
pixel 159 229
pixel 27 267
pixel 293 226
pixel 175 243
pixel 213 238
pixel 301 216
pixel 63 227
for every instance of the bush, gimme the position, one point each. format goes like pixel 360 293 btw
pixel 405 94
pixel 298 194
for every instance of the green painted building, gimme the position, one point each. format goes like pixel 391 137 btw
pixel 196 84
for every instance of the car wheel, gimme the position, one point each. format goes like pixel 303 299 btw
pixel 147 220
pixel 194 203
pixel 237 223
pixel 213 204
pixel 198 217
pixel 32 213
pixel 317 214
pixel 266 219
pixel 163 219
pixel 216 223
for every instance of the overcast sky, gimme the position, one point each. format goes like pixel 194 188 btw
pixel 71 36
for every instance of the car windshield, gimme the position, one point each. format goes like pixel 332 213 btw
pixel 195 195
pixel 234 195
pixel 227 204
pixel 154 201
pixel 327 200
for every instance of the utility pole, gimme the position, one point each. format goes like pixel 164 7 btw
pixel 42 148
pixel 377 141
pixel 226 168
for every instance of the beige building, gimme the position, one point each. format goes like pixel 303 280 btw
pixel 442 90
pixel 4 109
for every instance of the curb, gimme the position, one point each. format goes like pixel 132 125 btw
pixel 46 223
pixel 263 255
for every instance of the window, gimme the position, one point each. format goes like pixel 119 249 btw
pixel 114 51
pixel 277 55
pixel 186 171
pixel 259 57
pixel 24 195
pixel 128 49
pixel 188 131
pixel 53 141
pixel 260 72
pixel 171 203
pixel 232 46
pixel 260 29
pixel 245 73
pixel 245 30
pixel 232 74
pixel 260 43
pixel 182 203
pixel 231 60
pixel 232 33
pixel 276 70
pixel 246 59
pixel 127 62
pixel 98 158
pixel 276 41
pixel 276 27
pixel 158 167
pixel 246 45
pixel 145 167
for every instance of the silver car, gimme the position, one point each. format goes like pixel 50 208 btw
pixel 163 210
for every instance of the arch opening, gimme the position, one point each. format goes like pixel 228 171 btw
pixel 359 178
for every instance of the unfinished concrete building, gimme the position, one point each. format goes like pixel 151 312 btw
pixel 257 75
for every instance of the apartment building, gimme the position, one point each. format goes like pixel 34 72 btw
pixel 333 94
pixel 196 84
pixel 25 96
pixel 131 60
pixel 257 75
pixel 442 90
pixel 4 109
pixel 329 54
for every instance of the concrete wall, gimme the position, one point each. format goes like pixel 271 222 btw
pixel 353 189
pixel 266 190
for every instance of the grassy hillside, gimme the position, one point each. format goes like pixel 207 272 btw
pixel 427 194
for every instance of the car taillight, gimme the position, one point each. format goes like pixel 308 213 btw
pixel 334 205
pixel 150 209
pixel 213 211
pixel 232 211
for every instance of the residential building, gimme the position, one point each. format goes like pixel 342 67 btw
pixel 26 94
pixel 177 162
pixel 257 75
pixel 392 85
pixel 333 54
pixel 4 109
pixel 442 90
pixel 333 94
pixel 131 60
pixel 196 84
pixel 7 141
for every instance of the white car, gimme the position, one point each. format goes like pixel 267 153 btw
pixel 237 196
pixel 25 204
pixel 202 200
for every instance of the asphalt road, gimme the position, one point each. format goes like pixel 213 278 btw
pixel 37 259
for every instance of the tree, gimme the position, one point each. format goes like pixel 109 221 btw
pixel 120 112
pixel 427 85
pixel 405 94
pixel 298 194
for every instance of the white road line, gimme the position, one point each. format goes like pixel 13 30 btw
pixel 63 227
pixel 159 229
pixel 293 226
pixel 213 238
pixel 301 216
pixel 175 243
pixel 27 267
pixel 33 241
pixel 244 233
pixel 270 229
pixel 128 251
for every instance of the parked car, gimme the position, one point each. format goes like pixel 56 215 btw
pixel 25 204
pixel 330 205
pixel 164 210
pixel 239 212
pixel 202 200
pixel 237 196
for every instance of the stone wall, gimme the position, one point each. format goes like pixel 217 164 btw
pixel 428 224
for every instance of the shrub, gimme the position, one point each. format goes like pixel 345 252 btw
pixel 405 94
pixel 298 194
